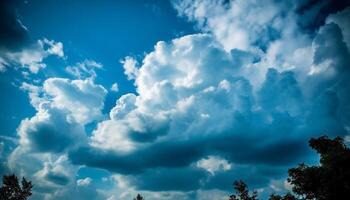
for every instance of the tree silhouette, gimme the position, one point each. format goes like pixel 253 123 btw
pixel 139 197
pixel 288 196
pixel 330 179
pixel 11 189
pixel 242 192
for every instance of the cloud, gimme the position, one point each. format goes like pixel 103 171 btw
pixel 115 87
pixel 257 24
pixel 49 131
pixel 55 173
pixel 313 14
pixel 84 182
pixel 183 179
pixel 57 179
pixel 157 155
pixel 341 19
pixel 84 69
pixel 289 96
pixel 251 22
pixel 55 48
pixel 238 101
pixel 31 57
pixel 198 101
pixel 130 67
pixel 213 164
pixel 63 108
pixel 82 98
pixel 126 190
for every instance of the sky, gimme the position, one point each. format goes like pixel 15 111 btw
pixel 170 99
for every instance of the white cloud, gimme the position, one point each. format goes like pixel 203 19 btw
pixel 54 48
pixel 213 164
pixel 32 57
pixel 34 93
pixel 115 87
pixel 266 29
pixel 82 98
pixel 172 86
pixel 85 69
pixel 124 105
pixel 112 135
pixel 237 24
pixel 63 108
pixel 84 182
pixel 130 67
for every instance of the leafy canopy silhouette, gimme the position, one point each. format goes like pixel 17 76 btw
pixel 242 192
pixel 12 190
pixel 288 196
pixel 139 197
pixel 330 180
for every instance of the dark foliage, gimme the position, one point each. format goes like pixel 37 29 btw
pixel 285 197
pixel 329 180
pixel 12 190
pixel 139 197
pixel 242 192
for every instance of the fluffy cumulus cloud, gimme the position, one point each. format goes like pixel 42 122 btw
pixel 237 101
pixel 63 108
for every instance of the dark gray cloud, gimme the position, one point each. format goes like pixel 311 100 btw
pixel 163 154
pixel 313 13
pixel 58 179
pixel 169 179
pixel 257 176
pixel 281 92
pixel 182 153
pixel 50 133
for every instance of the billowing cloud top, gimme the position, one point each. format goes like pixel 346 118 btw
pixel 237 101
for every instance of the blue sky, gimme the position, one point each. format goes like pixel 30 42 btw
pixel 171 99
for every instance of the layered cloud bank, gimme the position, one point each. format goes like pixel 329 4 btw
pixel 237 101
